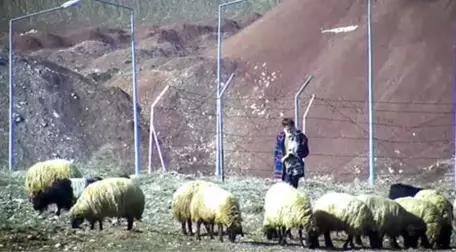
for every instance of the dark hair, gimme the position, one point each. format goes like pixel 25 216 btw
pixel 59 192
pixel 288 122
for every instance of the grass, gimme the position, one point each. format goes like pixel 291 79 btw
pixel 147 11
pixel 22 229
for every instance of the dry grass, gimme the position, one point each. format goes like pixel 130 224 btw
pixel 22 229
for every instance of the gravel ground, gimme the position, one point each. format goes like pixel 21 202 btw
pixel 21 229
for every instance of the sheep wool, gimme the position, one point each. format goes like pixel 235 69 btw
pixel 427 212
pixel 214 205
pixel 182 198
pixel 389 216
pixel 344 212
pixel 446 211
pixel 286 207
pixel 111 197
pixel 78 185
pixel 42 174
pixel 439 200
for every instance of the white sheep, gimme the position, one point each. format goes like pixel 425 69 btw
pixel 286 208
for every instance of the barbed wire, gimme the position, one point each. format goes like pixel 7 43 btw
pixel 336 107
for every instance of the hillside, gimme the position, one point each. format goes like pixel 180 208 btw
pixel 270 56
pixel 413 43
pixel 60 113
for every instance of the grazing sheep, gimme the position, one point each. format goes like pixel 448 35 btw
pixel 42 174
pixel 429 214
pixel 286 208
pixel 400 190
pixel 182 198
pixel 214 205
pixel 391 219
pixel 446 211
pixel 62 192
pixel 343 212
pixel 110 197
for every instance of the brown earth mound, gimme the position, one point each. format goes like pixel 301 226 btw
pixel 60 113
pixel 413 43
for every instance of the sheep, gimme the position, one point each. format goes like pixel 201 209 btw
pixel 110 197
pixel 391 218
pixel 399 190
pixel 42 174
pixel 62 192
pixel 429 214
pixel 343 212
pixel 446 211
pixel 214 205
pixel 181 200
pixel 285 208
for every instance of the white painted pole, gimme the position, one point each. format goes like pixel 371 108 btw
pixel 153 134
pixel 306 112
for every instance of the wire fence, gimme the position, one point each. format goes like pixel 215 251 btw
pixel 410 137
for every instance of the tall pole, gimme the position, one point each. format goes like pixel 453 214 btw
pixel 219 152
pixel 296 99
pixel 220 96
pixel 135 96
pixel 371 96
pixel 454 115
pixel 11 98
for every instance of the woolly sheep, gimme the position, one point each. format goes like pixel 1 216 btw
pixel 429 214
pixel 399 190
pixel 343 212
pixel 286 208
pixel 214 205
pixel 182 198
pixel 391 218
pixel 62 192
pixel 111 197
pixel 42 174
pixel 446 211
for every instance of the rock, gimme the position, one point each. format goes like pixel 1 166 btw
pixel 58 245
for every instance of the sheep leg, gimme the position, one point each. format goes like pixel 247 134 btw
pixel 129 222
pixel 425 242
pixel 349 241
pixel 220 230
pixel 209 230
pixel 393 242
pixel 57 212
pixel 300 237
pixel 289 234
pixel 312 240
pixel 184 230
pixel 92 224
pixel 100 224
pixel 284 233
pixel 328 241
pixel 189 226
pixel 279 234
pixel 198 229
pixel 359 241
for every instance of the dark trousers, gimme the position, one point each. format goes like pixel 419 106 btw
pixel 293 180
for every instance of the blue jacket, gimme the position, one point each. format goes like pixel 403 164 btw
pixel 279 151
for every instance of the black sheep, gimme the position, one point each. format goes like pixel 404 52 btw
pixel 60 192
pixel 400 190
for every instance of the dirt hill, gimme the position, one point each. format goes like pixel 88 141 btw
pixel 60 113
pixel 271 56
pixel 413 43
